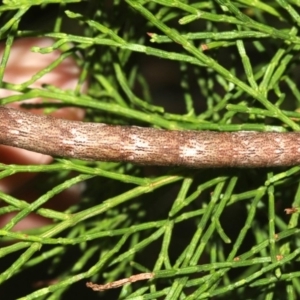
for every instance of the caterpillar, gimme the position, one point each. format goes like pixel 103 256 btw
pixel 147 146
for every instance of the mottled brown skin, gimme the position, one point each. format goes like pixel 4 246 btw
pixel 147 146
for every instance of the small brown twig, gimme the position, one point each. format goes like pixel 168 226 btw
pixel 116 284
pixel 291 210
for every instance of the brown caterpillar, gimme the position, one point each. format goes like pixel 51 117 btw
pixel 147 146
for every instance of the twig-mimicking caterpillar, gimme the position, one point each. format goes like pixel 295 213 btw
pixel 147 146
